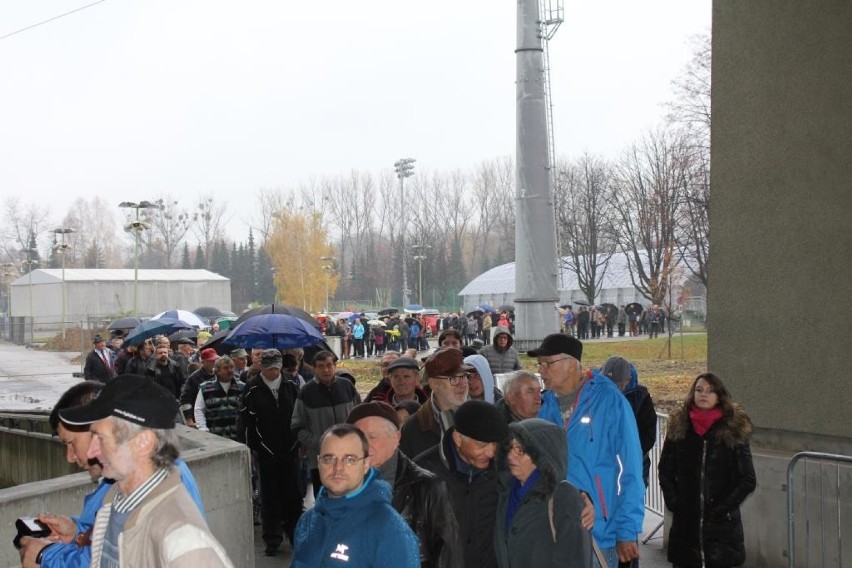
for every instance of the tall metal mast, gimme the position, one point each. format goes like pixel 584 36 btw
pixel 536 293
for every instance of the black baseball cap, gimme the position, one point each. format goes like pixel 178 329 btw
pixel 134 398
pixel 404 363
pixel 558 343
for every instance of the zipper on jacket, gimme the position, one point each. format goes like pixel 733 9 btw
pixel 701 518
pixel 601 496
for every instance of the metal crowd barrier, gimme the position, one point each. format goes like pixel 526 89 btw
pixel 824 524
pixel 654 495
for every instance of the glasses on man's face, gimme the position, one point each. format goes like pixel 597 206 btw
pixel 517 448
pixel 547 364
pixel 348 460
pixel 454 379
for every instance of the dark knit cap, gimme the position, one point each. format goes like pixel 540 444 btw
pixel 373 408
pixel 480 421
pixel 557 344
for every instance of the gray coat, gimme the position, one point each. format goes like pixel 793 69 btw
pixel 529 539
pixel 501 360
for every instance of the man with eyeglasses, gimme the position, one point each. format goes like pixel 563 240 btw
pixel 464 459
pixel 447 376
pixel 604 454
pixel 352 522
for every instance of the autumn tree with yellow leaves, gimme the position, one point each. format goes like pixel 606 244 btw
pixel 296 245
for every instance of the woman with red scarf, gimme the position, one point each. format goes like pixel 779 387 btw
pixel 706 472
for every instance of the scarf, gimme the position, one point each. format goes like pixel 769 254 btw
pixel 703 420
pixel 517 493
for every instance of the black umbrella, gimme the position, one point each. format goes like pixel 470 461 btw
pixel 634 308
pixel 124 323
pixel 506 308
pixel 388 311
pixel 277 309
pixel 610 309
pixel 582 303
pixel 183 334
pixel 208 312
pixel 476 312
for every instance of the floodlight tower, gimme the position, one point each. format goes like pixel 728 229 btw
pixel 404 168
pixel 536 293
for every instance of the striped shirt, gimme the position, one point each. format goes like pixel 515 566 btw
pixel 126 503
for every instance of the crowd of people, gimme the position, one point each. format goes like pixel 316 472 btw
pixel 436 466
pixel 595 322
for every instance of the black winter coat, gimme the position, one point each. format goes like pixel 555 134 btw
pixel 264 421
pixel 474 503
pixel 704 480
pixel 423 501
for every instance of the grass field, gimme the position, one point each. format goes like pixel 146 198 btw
pixel 667 379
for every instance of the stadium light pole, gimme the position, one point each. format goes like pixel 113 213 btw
pixel 328 269
pixel 404 168
pixel 420 258
pixel 137 226
pixel 60 248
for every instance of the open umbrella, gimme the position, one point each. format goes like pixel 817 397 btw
pixel 276 331
pixel 506 308
pixel 376 322
pixel 208 312
pixel 124 323
pixel 633 308
pixel 486 308
pixel 217 342
pixel 413 308
pixel 185 316
pixel 344 316
pixel 152 327
pixel 582 303
pixel 183 334
pixel 277 309
pixel 475 312
pixel 388 311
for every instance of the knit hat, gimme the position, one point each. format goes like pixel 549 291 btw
pixel 373 408
pixel 209 354
pixel 481 421
pixel 134 398
pixel 559 343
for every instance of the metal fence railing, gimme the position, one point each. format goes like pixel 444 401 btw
pixel 819 508
pixel 654 495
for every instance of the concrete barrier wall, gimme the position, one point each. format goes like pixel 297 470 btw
pixel 220 467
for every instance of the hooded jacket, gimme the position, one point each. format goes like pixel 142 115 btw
pixel 529 540
pixel 359 529
pixel 484 369
pixel 604 457
pixel 704 480
pixel 501 360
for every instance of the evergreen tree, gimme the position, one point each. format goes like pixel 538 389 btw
pixel 185 260
pixel 220 261
pixel 200 261
pixel 265 277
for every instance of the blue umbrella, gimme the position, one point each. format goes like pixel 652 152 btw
pixel 152 327
pixel 486 308
pixel 413 308
pixel 277 331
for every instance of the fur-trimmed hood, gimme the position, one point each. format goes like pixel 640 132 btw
pixel 732 430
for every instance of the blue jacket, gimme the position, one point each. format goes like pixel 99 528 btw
pixel 360 529
pixel 68 555
pixel 604 457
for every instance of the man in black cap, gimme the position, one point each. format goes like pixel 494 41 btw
pixel 418 495
pixel 98 366
pixel 264 424
pixel 604 455
pixel 405 382
pixel 447 376
pixel 465 461
pixel 148 518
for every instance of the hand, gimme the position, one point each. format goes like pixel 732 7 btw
pixel 627 551
pixel 587 517
pixel 30 547
pixel 62 528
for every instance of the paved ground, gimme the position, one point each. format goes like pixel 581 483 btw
pixel 32 379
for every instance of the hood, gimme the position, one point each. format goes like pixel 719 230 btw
pixel 633 383
pixel 484 370
pixel 733 430
pixel 495 331
pixel 373 490
pixel 545 443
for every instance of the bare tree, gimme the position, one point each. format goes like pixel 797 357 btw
pixel 24 226
pixel 649 182
pixel 693 235
pixel 169 225
pixel 690 108
pixel 208 222
pixel 94 244
pixel 583 196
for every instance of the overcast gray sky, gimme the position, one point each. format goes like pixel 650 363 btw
pixel 189 97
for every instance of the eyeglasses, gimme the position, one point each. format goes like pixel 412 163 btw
pixel 548 364
pixel 455 379
pixel 347 460
pixel 517 448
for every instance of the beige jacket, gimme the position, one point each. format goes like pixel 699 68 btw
pixel 166 529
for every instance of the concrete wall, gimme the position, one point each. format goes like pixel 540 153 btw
pixel 779 308
pixel 220 467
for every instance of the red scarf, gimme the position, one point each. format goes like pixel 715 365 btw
pixel 703 420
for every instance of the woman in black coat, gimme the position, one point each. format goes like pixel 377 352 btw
pixel 706 472
pixel 538 512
